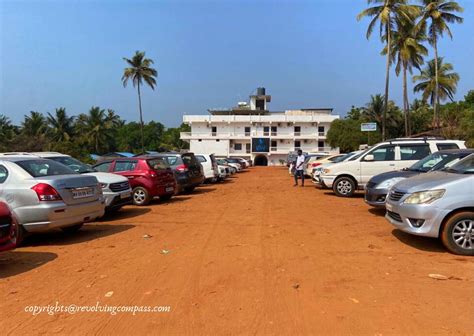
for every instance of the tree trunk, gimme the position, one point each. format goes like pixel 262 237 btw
pixel 387 81
pixel 141 118
pixel 436 93
pixel 405 101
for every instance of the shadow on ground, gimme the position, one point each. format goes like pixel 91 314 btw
pixel 125 213
pixel 88 232
pixel 202 190
pixel 17 262
pixel 356 195
pixel 377 211
pixel 421 243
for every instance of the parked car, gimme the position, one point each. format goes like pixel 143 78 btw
pixel 235 163
pixel 377 188
pixel 314 162
pixel 243 162
pixel 209 166
pixel 9 231
pixel 224 163
pixel 44 194
pixel 319 169
pixel 438 204
pixel 187 170
pixel 149 176
pixel 291 157
pixel 115 188
pixel 348 176
pixel 224 172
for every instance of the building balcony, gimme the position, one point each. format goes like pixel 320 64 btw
pixel 248 135
pixel 285 150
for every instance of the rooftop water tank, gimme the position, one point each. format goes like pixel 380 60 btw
pixel 261 91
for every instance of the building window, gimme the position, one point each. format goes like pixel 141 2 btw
pixel 297 144
pixel 274 130
pixel 214 131
pixel 266 131
pixel 247 147
pixel 321 145
pixel 273 146
pixel 321 131
pixel 247 131
pixel 238 146
pixel 297 130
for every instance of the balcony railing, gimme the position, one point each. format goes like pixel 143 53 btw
pixel 252 134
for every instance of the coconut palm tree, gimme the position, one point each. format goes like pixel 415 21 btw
pixel 439 13
pixel 60 125
pixel 97 128
pixel 7 130
pixel 34 125
pixel 407 52
pixel 429 79
pixel 386 13
pixel 140 70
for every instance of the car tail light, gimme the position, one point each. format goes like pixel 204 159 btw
pixel 152 173
pixel 315 164
pixel 182 168
pixel 46 193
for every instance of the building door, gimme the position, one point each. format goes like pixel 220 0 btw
pixel 260 160
pixel 273 146
pixel 297 130
pixel 266 131
pixel 247 131
pixel 214 130
pixel 297 145
pixel 274 130
pixel 247 148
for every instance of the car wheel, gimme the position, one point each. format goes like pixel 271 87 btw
pixel 72 229
pixel 344 187
pixel 165 197
pixel 457 234
pixel 140 196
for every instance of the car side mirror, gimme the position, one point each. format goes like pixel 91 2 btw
pixel 369 157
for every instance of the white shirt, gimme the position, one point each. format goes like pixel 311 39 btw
pixel 299 162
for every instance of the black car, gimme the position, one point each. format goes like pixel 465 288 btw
pixel 378 186
pixel 187 170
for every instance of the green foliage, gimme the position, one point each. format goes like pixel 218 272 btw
pixel 346 134
pixel 97 132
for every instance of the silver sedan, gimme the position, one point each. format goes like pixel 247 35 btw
pixel 44 194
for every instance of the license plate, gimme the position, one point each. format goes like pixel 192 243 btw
pixel 82 193
pixel 169 189
pixel 125 195
pixel 388 206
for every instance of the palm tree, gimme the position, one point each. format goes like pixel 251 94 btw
pixel 7 130
pixel 374 111
pixel 387 12
pixel 407 53
pixel 140 70
pixel 97 128
pixel 428 81
pixel 440 13
pixel 61 126
pixel 34 125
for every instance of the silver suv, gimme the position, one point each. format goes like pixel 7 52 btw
pixel 437 204
pixel 44 194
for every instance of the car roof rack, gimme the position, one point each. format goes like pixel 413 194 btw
pixel 425 139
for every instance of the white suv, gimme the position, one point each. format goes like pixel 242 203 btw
pixel 115 188
pixel 348 176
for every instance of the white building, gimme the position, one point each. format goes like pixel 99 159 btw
pixel 250 130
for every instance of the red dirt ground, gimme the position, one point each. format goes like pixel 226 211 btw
pixel 253 255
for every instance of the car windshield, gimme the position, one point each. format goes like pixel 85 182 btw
pixel 158 163
pixel 465 166
pixel 355 157
pixel 428 163
pixel 42 168
pixel 74 164
pixel 342 158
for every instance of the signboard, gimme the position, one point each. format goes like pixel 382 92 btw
pixel 260 145
pixel 368 127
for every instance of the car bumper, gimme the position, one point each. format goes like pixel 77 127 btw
pixel 119 201
pixel 44 217
pixel 402 217
pixel 165 190
pixel 375 197
pixel 327 180
pixel 111 197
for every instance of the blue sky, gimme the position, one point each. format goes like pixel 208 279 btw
pixel 207 53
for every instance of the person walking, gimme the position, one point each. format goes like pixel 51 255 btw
pixel 299 168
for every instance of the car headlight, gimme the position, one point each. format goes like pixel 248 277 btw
pixel 103 185
pixel 389 183
pixel 425 197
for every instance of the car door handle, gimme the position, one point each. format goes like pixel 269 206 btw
pixel 392 165
pixel 130 177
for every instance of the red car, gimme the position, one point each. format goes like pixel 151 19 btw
pixel 149 176
pixel 9 229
